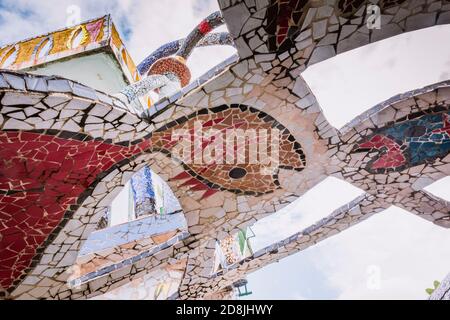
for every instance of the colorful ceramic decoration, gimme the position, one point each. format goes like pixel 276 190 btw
pixel 284 22
pixel 67 150
pixel 78 37
pixel 211 39
pixel 97 34
pixel 416 139
pixel 176 65
pixel 94 28
pixel 252 176
pixel 205 26
pixel 43 48
pixel 39 162
pixel 9 56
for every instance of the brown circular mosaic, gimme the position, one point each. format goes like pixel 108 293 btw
pixel 175 65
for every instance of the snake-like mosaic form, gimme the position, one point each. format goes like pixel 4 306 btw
pixel 65 154
pixel 168 74
pixel 171 48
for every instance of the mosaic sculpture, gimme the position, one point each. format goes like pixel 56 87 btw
pixel 171 48
pixel 169 74
pixel 58 174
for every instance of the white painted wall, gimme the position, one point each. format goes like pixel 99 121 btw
pixel 122 207
pixel 98 71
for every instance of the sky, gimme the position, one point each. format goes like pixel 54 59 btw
pixel 392 255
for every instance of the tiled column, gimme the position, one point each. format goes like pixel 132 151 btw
pixel 143 194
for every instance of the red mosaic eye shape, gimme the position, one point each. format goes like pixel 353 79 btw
pixel 251 178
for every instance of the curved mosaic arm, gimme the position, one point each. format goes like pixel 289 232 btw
pixel 427 206
pixel 168 49
pixel 140 88
pixel 209 23
pixel 400 146
pixel 173 68
pixel 62 215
